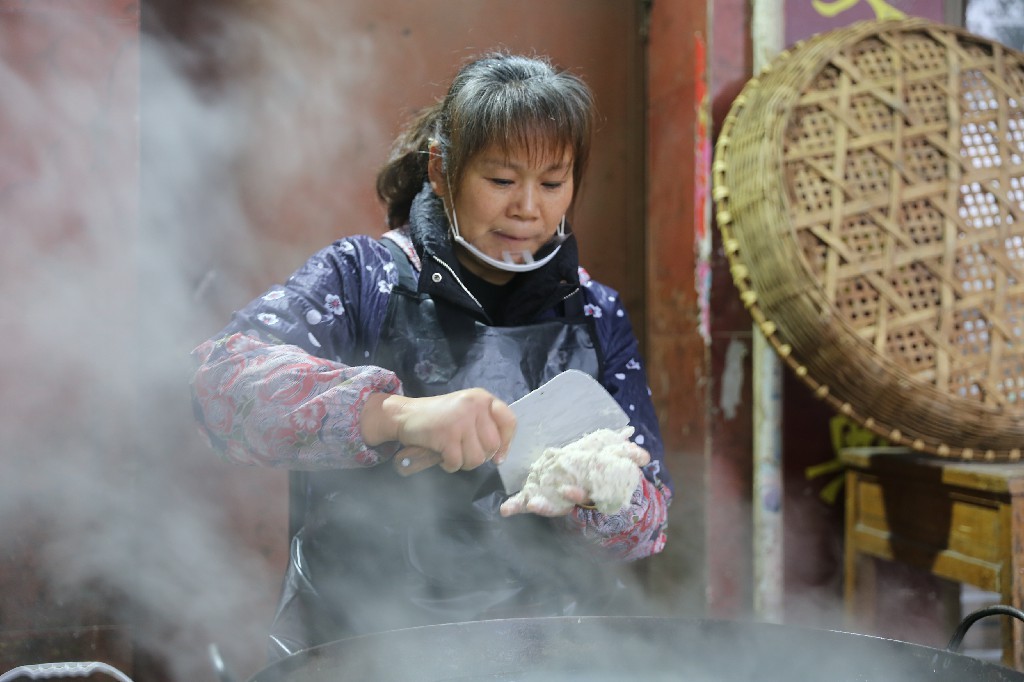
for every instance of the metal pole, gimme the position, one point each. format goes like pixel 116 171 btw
pixel 767 503
pixel 768 40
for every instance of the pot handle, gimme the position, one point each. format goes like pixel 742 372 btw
pixel 412 459
pixel 972 618
pixel 40 671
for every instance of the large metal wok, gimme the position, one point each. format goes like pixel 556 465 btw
pixel 603 649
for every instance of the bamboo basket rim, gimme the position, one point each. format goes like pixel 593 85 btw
pixel 777 90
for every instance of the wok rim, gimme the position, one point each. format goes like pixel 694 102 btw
pixel 533 629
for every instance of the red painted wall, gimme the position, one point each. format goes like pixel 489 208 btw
pixel 677 144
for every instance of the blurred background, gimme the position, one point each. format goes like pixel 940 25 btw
pixel 164 161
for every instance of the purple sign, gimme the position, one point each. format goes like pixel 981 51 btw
pixel 805 18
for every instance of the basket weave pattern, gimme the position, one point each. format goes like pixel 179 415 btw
pixel 869 186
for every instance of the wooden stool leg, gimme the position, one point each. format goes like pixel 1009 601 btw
pixel 859 570
pixel 1013 588
pixel 860 593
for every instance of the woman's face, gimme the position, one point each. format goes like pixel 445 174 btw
pixel 507 204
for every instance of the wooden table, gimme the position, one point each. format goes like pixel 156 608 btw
pixel 960 521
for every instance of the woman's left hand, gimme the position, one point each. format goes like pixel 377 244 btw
pixel 543 505
pixel 559 496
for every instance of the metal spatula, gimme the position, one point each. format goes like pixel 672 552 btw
pixel 563 410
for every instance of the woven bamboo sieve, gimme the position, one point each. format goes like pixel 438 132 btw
pixel 869 187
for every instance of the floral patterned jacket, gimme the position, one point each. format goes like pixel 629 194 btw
pixel 284 383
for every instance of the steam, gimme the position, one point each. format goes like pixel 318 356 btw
pixel 110 501
pixel 129 233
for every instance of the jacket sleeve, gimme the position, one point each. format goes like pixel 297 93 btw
pixel 282 384
pixel 639 529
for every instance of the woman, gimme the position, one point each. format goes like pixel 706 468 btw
pixel 420 340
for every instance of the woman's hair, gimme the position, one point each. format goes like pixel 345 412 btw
pixel 511 101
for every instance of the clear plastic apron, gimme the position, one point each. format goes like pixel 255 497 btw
pixel 374 551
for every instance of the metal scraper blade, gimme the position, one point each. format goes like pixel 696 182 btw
pixel 563 410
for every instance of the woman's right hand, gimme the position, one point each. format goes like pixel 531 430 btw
pixel 466 428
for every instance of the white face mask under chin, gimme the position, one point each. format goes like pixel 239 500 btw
pixel 509 265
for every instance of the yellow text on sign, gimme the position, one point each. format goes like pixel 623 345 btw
pixel 882 9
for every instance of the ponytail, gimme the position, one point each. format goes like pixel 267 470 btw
pixel 403 176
